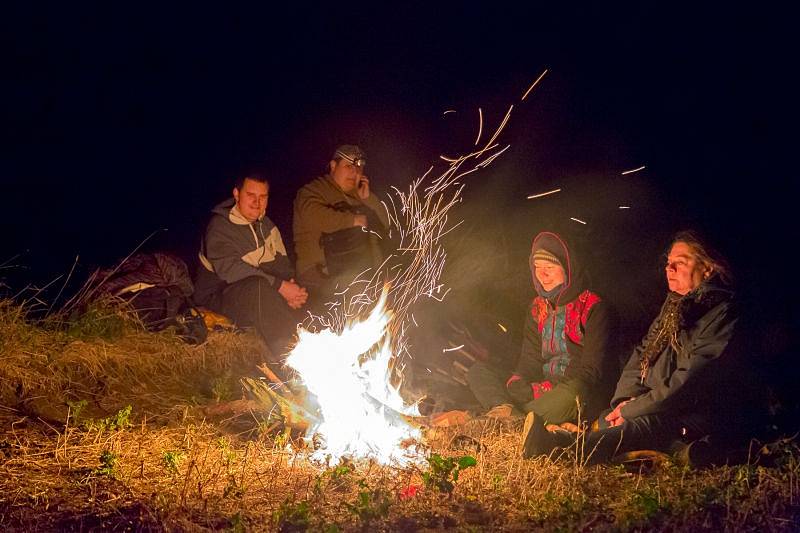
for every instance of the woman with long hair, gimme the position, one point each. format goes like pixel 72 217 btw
pixel 677 384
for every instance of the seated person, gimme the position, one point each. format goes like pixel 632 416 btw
pixel 244 272
pixel 336 219
pixel 677 381
pixel 565 365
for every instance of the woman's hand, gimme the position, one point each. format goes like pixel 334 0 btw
pixel 614 418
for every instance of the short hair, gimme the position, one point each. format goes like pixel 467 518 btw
pixel 707 255
pixel 254 176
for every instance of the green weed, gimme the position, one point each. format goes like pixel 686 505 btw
pixel 371 504
pixel 108 463
pixel 222 388
pixel 233 489
pixel 283 438
pixel 120 420
pixel 228 453
pixel 643 507
pixel 172 460
pixel 444 471
pixel 557 507
pixel 292 515
pixel 75 410
pixel 238 523
pixel 97 322
pixel 337 479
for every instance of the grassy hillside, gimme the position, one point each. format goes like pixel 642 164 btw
pixel 106 427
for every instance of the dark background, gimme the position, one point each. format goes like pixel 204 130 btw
pixel 122 120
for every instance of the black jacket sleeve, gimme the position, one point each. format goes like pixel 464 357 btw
pixel 529 365
pixel 630 382
pixel 704 346
pixel 593 363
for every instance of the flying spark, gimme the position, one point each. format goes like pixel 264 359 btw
pixel 524 96
pixel 480 126
pixel 452 349
pixel 577 220
pixel 633 170
pixel 532 196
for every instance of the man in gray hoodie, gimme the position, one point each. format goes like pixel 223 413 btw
pixel 244 270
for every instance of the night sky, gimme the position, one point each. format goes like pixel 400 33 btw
pixel 121 120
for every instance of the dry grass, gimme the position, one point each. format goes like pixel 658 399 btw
pixel 175 469
pixel 110 362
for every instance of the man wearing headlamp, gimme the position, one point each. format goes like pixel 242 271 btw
pixel 338 223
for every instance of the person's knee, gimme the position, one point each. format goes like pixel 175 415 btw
pixel 655 432
pixel 652 424
pixel 557 406
pixel 251 299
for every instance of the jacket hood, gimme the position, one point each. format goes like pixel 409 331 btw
pixel 573 275
pixel 229 210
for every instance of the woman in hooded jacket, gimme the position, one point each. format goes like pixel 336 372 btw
pixel 674 386
pixel 565 368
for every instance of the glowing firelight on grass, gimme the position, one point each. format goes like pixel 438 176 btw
pixel 353 365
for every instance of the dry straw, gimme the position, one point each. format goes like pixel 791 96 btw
pixel 177 468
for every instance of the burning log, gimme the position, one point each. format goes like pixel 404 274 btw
pixel 395 417
pixel 267 371
pixel 282 407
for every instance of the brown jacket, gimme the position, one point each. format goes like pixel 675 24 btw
pixel 314 214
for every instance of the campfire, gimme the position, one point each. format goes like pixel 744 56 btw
pixel 349 375
pixel 349 359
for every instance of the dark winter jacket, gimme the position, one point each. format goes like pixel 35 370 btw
pixel 566 336
pixel 688 373
pixel 234 249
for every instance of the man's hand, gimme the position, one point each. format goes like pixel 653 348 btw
pixel 363 187
pixel 294 294
pixel 360 220
pixel 614 418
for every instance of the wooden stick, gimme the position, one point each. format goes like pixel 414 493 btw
pixel 460 367
pixel 466 354
pixel 274 378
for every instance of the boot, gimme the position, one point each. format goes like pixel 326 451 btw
pixel 536 440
